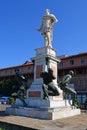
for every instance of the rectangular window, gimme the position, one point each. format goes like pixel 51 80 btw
pixel 79 98
pixel 81 82
pixel 5 71
pixel 11 71
pixel 0 73
pixel 84 98
pixel 71 62
pixel 22 70
pixel 83 60
pixel 61 64
pixel 29 68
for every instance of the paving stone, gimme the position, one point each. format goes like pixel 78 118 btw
pixel 78 122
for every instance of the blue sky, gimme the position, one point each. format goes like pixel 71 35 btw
pixel 19 20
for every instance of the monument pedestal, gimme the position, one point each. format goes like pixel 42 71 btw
pixel 40 64
pixel 43 109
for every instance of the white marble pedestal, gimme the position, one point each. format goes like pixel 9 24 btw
pixel 43 109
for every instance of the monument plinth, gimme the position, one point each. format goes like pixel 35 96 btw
pixel 44 97
pixel 40 65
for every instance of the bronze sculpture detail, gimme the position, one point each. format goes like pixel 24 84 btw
pixel 48 86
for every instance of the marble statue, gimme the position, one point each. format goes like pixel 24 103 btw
pixel 46 28
pixel 64 86
pixel 49 88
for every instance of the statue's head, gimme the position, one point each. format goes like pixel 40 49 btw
pixel 47 12
pixel 71 72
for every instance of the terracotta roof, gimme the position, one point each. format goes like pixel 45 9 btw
pixel 72 56
pixel 25 64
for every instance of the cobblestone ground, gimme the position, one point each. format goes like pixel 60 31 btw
pixel 78 122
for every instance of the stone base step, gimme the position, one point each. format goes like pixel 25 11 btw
pixel 43 113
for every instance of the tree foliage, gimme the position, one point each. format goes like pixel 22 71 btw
pixel 6 87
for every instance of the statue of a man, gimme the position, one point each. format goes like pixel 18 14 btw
pixel 46 28
pixel 22 86
pixel 66 89
pixel 49 88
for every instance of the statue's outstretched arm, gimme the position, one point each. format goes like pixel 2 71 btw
pixel 40 27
